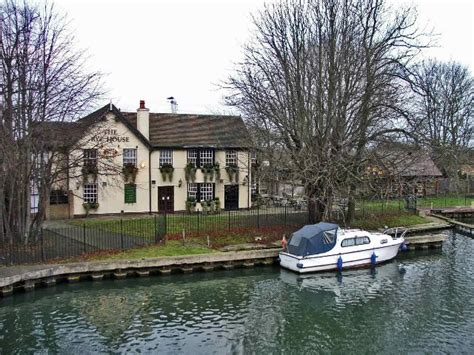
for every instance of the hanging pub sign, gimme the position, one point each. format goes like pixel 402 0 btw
pixel 110 136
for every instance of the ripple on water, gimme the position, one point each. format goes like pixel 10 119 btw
pixel 423 302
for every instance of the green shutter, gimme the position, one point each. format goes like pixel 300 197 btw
pixel 130 193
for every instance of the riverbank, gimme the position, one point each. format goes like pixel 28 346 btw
pixel 420 302
pixel 25 278
pixel 29 277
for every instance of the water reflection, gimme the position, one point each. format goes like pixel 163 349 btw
pixel 353 286
pixel 419 303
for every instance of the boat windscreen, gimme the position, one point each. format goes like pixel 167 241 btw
pixel 303 244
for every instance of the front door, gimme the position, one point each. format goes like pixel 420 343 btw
pixel 231 197
pixel 166 199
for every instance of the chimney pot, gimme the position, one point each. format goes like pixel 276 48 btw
pixel 142 104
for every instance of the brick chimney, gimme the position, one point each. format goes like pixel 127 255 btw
pixel 143 119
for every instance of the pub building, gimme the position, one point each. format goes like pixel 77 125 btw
pixel 156 162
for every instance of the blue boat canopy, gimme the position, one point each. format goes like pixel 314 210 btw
pixel 313 239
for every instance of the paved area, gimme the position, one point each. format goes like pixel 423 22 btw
pixel 98 238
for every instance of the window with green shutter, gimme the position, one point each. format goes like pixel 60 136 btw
pixel 130 193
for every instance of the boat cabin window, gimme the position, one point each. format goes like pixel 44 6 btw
pixel 350 242
pixel 362 240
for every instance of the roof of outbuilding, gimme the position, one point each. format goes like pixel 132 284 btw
pixel 405 160
pixel 188 130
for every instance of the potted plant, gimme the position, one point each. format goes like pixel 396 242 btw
pixel 212 206
pixel 90 170
pixel 217 204
pixel 205 207
pixel 130 172
pixel 207 171
pixel 217 171
pixel 90 206
pixel 167 172
pixel 190 172
pixel 191 204
pixel 232 172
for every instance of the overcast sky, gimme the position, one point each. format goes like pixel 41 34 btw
pixel 154 49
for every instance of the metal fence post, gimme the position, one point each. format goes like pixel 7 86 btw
pixel 285 215
pixel 258 217
pixel 42 243
pixel 121 233
pixel 156 230
pixel 199 227
pixel 228 219
pixel 84 236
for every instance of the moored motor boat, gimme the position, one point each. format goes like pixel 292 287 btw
pixel 325 246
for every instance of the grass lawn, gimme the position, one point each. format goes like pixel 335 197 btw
pixel 226 221
pixel 448 201
pixel 375 222
pixel 398 205
pixel 216 233
pixel 170 248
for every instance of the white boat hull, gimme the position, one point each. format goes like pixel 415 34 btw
pixel 352 257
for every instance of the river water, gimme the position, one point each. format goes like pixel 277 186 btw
pixel 422 302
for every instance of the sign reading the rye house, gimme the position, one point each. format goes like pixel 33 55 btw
pixel 110 136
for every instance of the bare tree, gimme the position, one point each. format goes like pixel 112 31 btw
pixel 321 77
pixel 43 80
pixel 441 112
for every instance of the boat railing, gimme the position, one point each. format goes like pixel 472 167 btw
pixel 395 232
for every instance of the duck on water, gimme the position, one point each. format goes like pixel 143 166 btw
pixel 325 246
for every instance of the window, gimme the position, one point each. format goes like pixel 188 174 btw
pixel 253 157
pixel 201 192
pixel 130 157
pixel 166 157
pixel 201 157
pixel 207 191
pixel 230 158
pixel 58 197
pixel 350 242
pixel 90 157
pixel 130 193
pixel 362 240
pixel 192 156
pixel 90 193
pixel 192 191
pixel 34 198
pixel 254 188
pixel 206 157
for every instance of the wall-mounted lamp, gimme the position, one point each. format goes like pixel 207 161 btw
pixel 142 165
pixel 180 183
